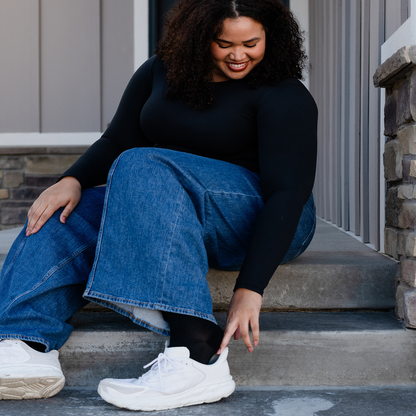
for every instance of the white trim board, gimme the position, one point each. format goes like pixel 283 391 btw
pixel 48 139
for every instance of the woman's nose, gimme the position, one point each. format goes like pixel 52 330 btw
pixel 237 54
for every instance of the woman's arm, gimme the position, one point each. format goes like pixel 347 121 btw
pixel 287 127
pixel 287 134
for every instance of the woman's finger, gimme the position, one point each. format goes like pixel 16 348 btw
pixel 33 216
pixel 46 214
pixel 64 194
pixel 228 333
pixel 245 335
pixel 255 331
pixel 67 212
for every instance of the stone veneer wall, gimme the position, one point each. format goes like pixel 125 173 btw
pixel 398 76
pixel 25 172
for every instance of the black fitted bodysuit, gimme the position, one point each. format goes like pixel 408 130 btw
pixel 270 130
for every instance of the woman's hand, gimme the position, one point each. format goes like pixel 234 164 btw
pixel 66 193
pixel 243 313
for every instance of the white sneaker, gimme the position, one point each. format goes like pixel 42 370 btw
pixel 28 374
pixel 174 380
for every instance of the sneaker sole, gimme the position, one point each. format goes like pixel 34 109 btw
pixel 197 395
pixel 21 388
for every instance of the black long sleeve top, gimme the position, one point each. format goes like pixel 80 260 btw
pixel 270 130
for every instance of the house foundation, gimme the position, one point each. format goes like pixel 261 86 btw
pixel 27 171
pixel 398 76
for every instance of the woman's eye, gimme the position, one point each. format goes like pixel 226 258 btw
pixel 223 47
pixel 250 46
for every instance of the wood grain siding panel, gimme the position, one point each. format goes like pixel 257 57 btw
pixel 393 16
pixel 321 65
pixel 376 39
pixel 325 107
pixel 338 80
pixel 354 116
pixel 330 107
pixel 314 73
pixel 364 151
pixel 19 66
pixel 345 115
pixel 117 46
pixel 70 66
pixel 405 10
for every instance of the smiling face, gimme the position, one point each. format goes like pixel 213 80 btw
pixel 238 49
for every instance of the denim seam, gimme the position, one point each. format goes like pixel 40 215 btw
pixel 52 271
pixel 145 305
pixel 27 338
pixel 129 315
pixel 19 249
pixel 106 300
pixel 207 213
pixel 235 194
pixel 186 178
pixel 101 232
pixel 169 249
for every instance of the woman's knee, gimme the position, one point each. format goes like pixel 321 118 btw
pixel 138 154
pixel 149 167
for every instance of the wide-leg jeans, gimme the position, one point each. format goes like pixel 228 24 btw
pixel 141 245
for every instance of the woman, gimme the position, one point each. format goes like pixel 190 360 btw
pixel 210 161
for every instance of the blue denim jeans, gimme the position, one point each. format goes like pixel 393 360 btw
pixel 139 246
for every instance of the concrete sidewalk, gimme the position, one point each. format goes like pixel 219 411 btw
pixel 252 401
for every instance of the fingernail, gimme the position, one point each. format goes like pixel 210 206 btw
pixel 256 343
pixel 219 352
pixel 250 350
pixel 63 220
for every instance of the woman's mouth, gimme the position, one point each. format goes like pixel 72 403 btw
pixel 237 67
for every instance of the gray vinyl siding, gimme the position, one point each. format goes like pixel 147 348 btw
pixel 64 64
pixel 117 53
pixel 345 48
pixel 19 66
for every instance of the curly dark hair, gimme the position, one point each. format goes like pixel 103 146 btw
pixel 191 26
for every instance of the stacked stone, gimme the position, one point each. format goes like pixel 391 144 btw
pixel 398 76
pixel 24 173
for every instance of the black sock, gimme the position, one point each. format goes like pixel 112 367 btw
pixel 201 337
pixel 36 346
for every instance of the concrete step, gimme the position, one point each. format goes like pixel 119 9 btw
pixel 296 349
pixel 261 401
pixel 335 272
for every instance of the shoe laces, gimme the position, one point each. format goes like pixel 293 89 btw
pixel 161 364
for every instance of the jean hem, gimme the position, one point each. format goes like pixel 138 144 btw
pixel 26 338
pixel 107 301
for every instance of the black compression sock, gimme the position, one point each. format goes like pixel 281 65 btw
pixel 201 337
pixel 36 346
